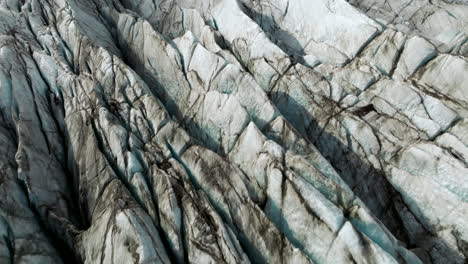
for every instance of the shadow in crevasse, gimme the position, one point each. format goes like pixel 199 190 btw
pixel 199 134
pixel 64 237
pixel 58 226
pixel 281 38
pixel 367 182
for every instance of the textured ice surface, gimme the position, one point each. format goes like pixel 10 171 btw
pixel 233 131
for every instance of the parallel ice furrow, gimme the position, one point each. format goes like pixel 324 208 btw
pixel 232 131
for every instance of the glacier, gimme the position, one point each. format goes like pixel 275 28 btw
pixel 233 131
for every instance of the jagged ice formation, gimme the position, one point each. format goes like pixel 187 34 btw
pixel 233 131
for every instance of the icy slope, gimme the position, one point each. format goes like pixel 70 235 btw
pixel 224 131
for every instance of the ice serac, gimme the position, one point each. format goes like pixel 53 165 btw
pixel 233 131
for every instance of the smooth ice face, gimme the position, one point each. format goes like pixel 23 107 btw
pixel 233 131
pixel 417 52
